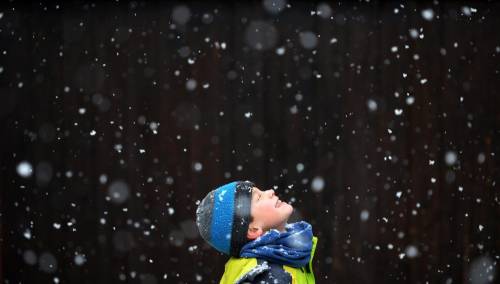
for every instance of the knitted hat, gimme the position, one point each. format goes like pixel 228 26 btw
pixel 223 216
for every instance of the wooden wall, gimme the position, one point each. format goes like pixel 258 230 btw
pixel 395 115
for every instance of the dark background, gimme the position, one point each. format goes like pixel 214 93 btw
pixel 379 123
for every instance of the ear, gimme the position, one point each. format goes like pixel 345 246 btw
pixel 254 232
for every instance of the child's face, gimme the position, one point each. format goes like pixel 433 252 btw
pixel 268 211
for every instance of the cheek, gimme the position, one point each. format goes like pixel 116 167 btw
pixel 269 209
pixel 266 210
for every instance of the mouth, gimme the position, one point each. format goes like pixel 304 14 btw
pixel 278 203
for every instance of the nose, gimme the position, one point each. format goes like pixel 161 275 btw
pixel 271 192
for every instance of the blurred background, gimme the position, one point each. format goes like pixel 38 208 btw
pixel 377 120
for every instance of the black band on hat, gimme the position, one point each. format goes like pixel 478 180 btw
pixel 242 216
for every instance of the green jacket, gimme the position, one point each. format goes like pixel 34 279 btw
pixel 253 270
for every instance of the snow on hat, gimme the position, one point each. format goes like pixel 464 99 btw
pixel 223 216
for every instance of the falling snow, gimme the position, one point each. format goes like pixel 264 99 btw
pixel 375 123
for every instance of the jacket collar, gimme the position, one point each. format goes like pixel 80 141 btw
pixel 259 268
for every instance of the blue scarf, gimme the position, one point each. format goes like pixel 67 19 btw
pixel 292 247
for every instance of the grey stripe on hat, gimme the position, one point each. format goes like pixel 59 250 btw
pixel 204 216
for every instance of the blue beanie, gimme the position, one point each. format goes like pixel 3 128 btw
pixel 223 216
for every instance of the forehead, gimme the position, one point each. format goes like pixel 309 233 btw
pixel 255 189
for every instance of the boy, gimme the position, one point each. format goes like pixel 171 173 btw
pixel 250 225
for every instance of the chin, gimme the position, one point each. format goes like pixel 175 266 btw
pixel 289 209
